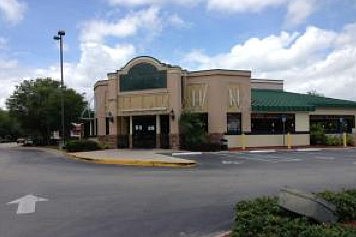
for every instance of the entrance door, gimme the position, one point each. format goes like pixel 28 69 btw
pixel 144 131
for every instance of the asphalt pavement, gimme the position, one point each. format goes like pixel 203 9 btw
pixel 75 198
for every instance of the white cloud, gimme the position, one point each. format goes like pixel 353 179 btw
pixel 95 62
pixel 299 11
pixel 97 30
pixel 242 5
pixel 176 21
pixel 153 2
pixel 316 59
pixel 10 75
pixel 12 10
pixel 220 5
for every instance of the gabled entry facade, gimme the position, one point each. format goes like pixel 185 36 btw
pixel 138 105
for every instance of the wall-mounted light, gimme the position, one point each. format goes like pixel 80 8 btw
pixel 171 113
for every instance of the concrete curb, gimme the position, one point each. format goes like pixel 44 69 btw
pixel 186 153
pixel 306 149
pixel 136 162
pixel 224 234
pixel 124 162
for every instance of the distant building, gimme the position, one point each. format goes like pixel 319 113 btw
pixel 140 105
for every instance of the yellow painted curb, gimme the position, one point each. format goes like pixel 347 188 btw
pixel 135 162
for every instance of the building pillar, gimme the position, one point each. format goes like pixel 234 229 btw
pixel 130 135
pixel 158 131
pixel 90 128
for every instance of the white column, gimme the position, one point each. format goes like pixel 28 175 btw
pixel 158 124
pixel 130 125
pixel 90 127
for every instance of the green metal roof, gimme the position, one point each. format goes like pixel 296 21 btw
pixel 282 101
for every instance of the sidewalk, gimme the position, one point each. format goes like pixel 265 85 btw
pixel 152 157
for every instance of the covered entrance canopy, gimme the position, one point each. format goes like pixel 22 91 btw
pixel 146 131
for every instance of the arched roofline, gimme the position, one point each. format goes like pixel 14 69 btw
pixel 143 59
pixel 146 59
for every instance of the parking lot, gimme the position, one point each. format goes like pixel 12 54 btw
pixel 301 158
pixel 76 198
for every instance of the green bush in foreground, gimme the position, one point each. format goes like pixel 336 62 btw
pixel 344 201
pixel 263 217
pixel 82 145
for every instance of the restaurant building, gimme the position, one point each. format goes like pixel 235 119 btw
pixel 139 106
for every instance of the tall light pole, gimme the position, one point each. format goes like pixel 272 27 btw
pixel 59 37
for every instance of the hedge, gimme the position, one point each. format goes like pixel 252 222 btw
pixel 263 217
pixel 206 146
pixel 82 145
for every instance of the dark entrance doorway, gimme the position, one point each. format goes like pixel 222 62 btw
pixel 144 131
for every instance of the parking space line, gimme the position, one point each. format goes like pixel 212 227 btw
pixel 260 159
pixel 324 158
pixel 308 149
pixel 231 162
pixel 288 160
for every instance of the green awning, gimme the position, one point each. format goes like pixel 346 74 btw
pixel 282 101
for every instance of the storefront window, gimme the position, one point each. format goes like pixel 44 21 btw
pixel 333 124
pixel 233 123
pixel 143 76
pixel 272 123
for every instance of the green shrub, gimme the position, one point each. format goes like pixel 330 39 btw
pixel 334 140
pixel 82 145
pixel 191 127
pixel 263 217
pixel 206 146
pixel 344 201
pixel 349 140
pixel 317 134
pixel 337 140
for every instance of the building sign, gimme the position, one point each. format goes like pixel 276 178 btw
pixel 76 130
pixel 55 135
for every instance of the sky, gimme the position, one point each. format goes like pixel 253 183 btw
pixel 310 44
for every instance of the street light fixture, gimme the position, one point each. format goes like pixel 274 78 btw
pixel 59 37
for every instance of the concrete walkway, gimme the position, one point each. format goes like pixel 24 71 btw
pixel 151 157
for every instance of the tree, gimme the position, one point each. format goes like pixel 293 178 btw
pixel 315 93
pixel 9 127
pixel 192 129
pixel 36 104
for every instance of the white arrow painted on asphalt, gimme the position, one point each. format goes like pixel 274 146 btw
pixel 27 204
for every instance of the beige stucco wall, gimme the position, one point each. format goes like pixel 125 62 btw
pixel 112 102
pixel 175 101
pixel 146 103
pixel 301 122
pixel 218 83
pixel 235 141
pixel 100 94
pixel 267 84
pixel 214 84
